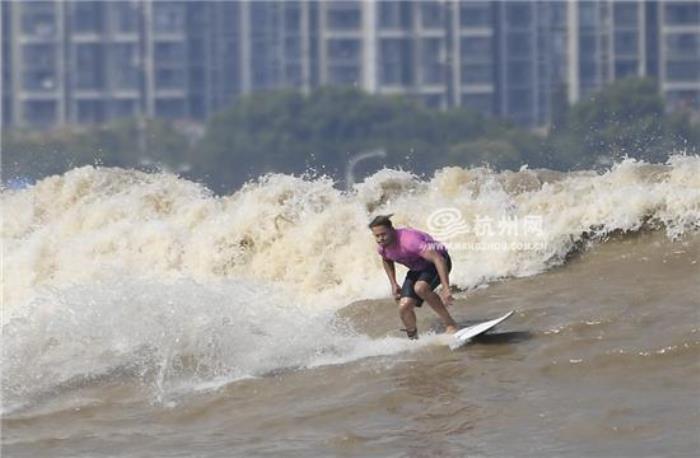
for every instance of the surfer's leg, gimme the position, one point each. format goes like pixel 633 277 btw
pixel 408 301
pixel 424 290
pixel 408 316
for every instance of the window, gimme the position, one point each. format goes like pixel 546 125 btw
pixel 89 72
pixel 266 68
pixel 90 111
pixel 172 53
pixel 431 14
pixel 587 15
pixel 292 47
pixel 125 15
pixel 557 12
pixel 395 61
pixel 38 56
pixel 475 49
pixel 433 100
pixel 87 16
pixel 588 72
pixel 683 71
pixel 683 45
pixel 344 15
pixel 196 50
pixel 625 14
pixel 125 69
pixel 40 112
pixel 482 103
pixel 198 107
pixel 197 79
pixel 8 115
pixel 39 80
pixel 475 14
pixel 520 73
pixel 477 74
pixel 344 74
pixel 170 108
pixel 433 61
pixel 293 75
pixel 168 17
pixel 123 108
pixel 394 14
pixel 170 78
pixel 625 68
pixel 519 14
pixel 587 45
pixel 344 49
pixel 626 43
pixel 264 16
pixel 38 18
pixel 520 44
pixel 678 13
pixel 292 16
pixel 344 61
pixel 520 101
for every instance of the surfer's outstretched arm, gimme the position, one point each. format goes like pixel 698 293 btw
pixel 391 273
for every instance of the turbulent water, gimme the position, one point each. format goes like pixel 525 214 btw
pixel 144 316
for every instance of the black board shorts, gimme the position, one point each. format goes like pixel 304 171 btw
pixel 429 275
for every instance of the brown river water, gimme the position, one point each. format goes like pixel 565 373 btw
pixel 104 355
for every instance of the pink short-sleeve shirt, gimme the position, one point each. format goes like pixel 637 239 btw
pixel 409 244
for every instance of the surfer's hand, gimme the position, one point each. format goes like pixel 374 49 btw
pixel 396 291
pixel 446 296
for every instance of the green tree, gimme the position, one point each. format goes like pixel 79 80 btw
pixel 493 152
pixel 123 143
pixel 289 132
pixel 284 131
pixel 627 118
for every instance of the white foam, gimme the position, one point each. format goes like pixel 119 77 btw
pixel 85 225
pixel 109 271
pixel 172 337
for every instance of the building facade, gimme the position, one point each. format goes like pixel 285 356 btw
pixel 678 53
pixel 81 62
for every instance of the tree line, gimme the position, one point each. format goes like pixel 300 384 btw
pixel 290 132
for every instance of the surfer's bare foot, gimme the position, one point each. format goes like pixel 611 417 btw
pixel 450 329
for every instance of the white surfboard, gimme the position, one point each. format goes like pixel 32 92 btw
pixel 463 336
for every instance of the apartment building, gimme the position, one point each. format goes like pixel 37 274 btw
pixel 81 62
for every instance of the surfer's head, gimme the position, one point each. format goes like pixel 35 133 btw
pixel 383 229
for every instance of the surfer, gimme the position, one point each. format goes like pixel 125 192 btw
pixel 429 265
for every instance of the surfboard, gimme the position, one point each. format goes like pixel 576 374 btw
pixel 463 336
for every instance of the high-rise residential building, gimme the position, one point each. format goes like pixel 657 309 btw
pixel 36 55
pixel 439 52
pixel 474 60
pixel 530 65
pixel 606 41
pixel 678 53
pixel 609 40
pixel 82 62
pixel 70 61
pixel 5 67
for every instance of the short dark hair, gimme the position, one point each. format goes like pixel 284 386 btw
pixel 381 220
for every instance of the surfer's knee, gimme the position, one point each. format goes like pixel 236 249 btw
pixel 406 304
pixel 422 289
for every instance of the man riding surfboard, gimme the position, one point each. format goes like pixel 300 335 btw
pixel 429 265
